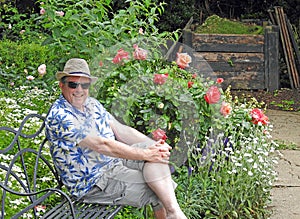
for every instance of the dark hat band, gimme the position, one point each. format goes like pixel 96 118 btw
pixel 79 72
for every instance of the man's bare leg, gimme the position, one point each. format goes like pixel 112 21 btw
pixel 158 177
pixel 160 214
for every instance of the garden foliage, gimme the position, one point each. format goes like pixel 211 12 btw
pixel 222 148
pixel 17 70
pixel 85 27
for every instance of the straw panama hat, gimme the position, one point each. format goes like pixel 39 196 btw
pixel 76 67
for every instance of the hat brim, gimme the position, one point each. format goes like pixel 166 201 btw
pixel 59 75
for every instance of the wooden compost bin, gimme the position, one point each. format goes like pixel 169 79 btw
pixel 244 61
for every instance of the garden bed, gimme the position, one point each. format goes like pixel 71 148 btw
pixel 283 99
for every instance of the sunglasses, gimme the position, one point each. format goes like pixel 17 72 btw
pixel 74 85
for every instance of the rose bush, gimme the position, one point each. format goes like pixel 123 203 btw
pixel 153 93
pixel 216 136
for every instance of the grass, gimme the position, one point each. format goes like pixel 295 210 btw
pixel 282 145
pixel 284 104
pixel 218 25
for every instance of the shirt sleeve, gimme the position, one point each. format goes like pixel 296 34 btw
pixel 103 119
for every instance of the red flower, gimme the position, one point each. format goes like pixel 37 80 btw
pixel 190 84
pixel 212 95
pixel 194 76
pixel 183 60
pixel 259 117
pixel 159 134
pixel 160 78
pixel 121 54
pixel 220 80
pixel 139 54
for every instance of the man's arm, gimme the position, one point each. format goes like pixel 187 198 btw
pixel 158 152
pixel 127 134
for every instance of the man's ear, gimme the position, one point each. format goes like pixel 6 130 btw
pixel 60 84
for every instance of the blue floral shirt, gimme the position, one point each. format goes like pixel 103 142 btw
pixel 66 126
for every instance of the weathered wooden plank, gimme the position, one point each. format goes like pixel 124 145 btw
pixel 228 38
pixel 203 66
pixel 224 47
pixel 228 65
pixel 272 57
pixel 241 80
pixel 237 67
pixel 230 56
pixel 187 37
pixel 246 85
pixel 240 75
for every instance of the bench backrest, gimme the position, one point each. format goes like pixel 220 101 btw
pixel 26 168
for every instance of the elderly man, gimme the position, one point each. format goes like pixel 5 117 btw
pixel 101 160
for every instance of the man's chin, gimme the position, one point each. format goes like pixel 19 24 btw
pixel 78 103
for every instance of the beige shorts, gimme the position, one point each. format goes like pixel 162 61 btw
pixel 124 184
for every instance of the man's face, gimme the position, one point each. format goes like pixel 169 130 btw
pixel 75 93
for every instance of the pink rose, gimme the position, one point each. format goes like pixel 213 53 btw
pixel 212 95
pixel 183 60
pixel 41 208
pixel 60 13
pixel 141 31
pixel 220 80
pixel 42 11
pixel 159 134
pixel 225 109
pixel 121 54
pixel 160 78
pixel 139 54
pixel 42 69
pixel 30 78
pixel 259 117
